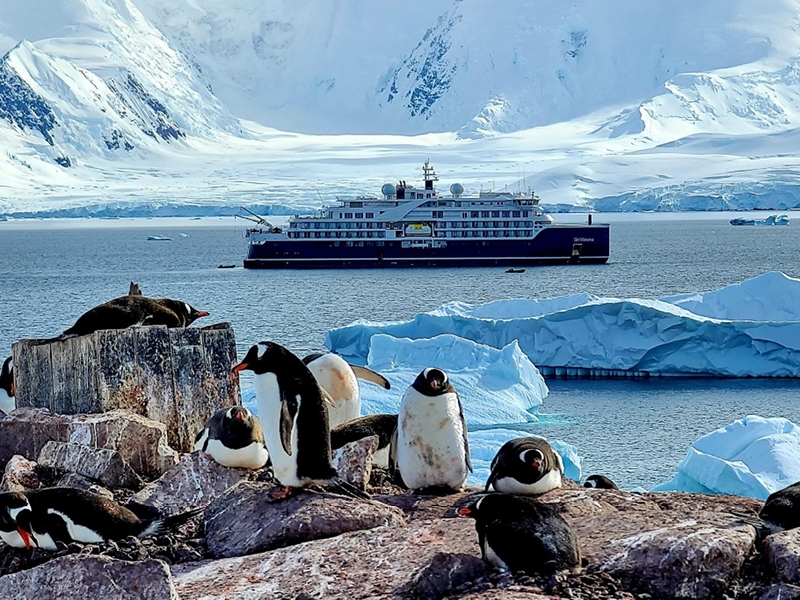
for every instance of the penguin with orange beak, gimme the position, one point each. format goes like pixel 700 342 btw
pixel 528 465
pixel 233 437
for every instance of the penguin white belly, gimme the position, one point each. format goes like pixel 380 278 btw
pixel 253 456
pixel 77 532
pixel 430 448
pixel 268 395
pixel 44 541
pixel 336 377
pixel 509 485
pixel 12 538
pixel 7 403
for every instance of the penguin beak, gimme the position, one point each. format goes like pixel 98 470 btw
pixel 241 367
pixel 536 464
pixel 26 537
pixel 465 512
pixel 239 416
pixel 202 313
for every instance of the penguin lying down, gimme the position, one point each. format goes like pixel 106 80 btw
pixel 128 311
pixel 233 438
pixel 49 516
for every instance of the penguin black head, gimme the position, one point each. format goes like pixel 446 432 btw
pixel 433 382
pixel 15 515
pixel 187 313
pixel 238 420
pixel 600 482
pixel 265 357
pixel 7 377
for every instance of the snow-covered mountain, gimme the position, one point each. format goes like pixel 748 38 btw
pixel 632 105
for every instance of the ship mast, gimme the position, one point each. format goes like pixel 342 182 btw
pixel 429 175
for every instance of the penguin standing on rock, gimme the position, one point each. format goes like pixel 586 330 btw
pixel 129 311
pixel 528 466
pixel 7 402
pixel 521 534
pixel 293 411
pixel 340 380
pixel 601 482
pixel 233 438
pixel 44 517
pixel 431 450
pixel 380 425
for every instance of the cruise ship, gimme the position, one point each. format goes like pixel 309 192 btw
pixel 419 227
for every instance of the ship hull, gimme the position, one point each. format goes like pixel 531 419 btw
pixel 557 244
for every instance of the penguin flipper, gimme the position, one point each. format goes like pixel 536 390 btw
pixel 366 374
pixel 464 432
pixel 289 408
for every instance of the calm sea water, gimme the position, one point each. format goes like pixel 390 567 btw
pixel 634 431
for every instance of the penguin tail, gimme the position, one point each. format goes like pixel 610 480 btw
pixel 58 338
pixel 763 528
pixel 159 524
pixel 340 486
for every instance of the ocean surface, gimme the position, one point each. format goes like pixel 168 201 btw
pixel 633 431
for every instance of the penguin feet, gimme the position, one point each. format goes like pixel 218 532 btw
pixel 282 494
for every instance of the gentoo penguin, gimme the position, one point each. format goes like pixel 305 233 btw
pixel 517 533
pixel 128 311
pixel 7 403
pixel 42 518
pixel 600 482
pixel 381 425
pixel 340 380
pixel 293 413
pixel 782 508
pixel 431 448
pixel 233 437
pixel 526 465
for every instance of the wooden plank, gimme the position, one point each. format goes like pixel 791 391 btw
pixel 61 354
pixel 118 378
pixel 154 364
pixel 84 360
pixel 33 374
pixel 219 346
pixel 188 374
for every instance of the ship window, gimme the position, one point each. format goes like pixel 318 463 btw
pixel 524 213
pixel 379 244
pixel 356 204
pixel 340 215
pixel 528 232
pixel 495 223
pixel 484 213
pixel 348 215
pixel 360 244
pixel 506 213
pixel 495 214
pixel 437 214
pixel 515 214
pixel 474 214
pixel 359 215
pixel 370 215
pixel 349 244
pixel 427 195
pixel 335 243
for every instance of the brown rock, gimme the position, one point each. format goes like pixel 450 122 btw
pixel 195 481
pixel 246 520
pixel 442 574
pixel 141 442
pixel 19 475
pixel 783 552
pixel 105 466
pixel 82 578
pixel 353 461
pixel 364 564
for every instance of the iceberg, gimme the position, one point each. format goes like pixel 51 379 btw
pixel 772 296
pixel 495 386
pixel 582 335
pixel 752 457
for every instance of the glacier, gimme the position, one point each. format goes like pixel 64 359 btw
pixel 752 457
pixel 581 335
pixel 207 105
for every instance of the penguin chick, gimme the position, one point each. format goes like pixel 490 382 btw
pixel 382 426
pixel 517 533
pixel 233 438
pixel 128 311
pixel 526 465
pixel 431 448
pixel 340 380
pixel 42 518
pixel 293 412
pixel 7 402
pixel 601 482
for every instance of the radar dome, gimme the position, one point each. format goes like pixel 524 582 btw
pixel 388 189
pixel 456 189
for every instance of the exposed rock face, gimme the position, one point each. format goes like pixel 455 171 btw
pixel 442 574
pixel 19 475
pixel 364 564
pixel 195 481
pixel 783 552
pixel 81 578
pixel 246 519
pixel 141 442
pixel 353 461
pixel 105 466
pixel 781 591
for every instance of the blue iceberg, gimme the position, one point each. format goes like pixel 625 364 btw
pixel 752 457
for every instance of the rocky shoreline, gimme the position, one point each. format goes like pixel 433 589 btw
pixel 247 545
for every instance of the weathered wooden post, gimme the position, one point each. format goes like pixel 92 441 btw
pixel 179 377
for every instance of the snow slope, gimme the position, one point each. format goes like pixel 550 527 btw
pixel 752 457
pixel 581 335
pixel 106 105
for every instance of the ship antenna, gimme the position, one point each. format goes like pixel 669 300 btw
pixel 320 195
pixel 429 174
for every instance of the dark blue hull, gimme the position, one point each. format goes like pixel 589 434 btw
pixel 557 244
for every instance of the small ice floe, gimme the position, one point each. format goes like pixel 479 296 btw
pixel 158 238
pixel 183 235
